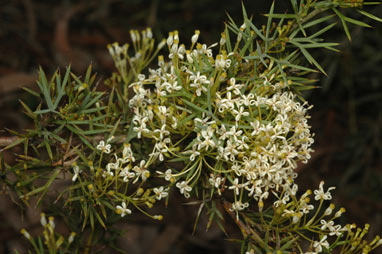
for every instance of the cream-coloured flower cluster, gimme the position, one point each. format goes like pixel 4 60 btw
pixel 245 135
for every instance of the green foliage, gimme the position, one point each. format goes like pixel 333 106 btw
pixel 225 124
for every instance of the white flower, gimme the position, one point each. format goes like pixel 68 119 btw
pixel 160 192
pixel 327 225
pixel 238 206
pixel 141 171
pixel 160 149
pixel 141 125
pixel 223 133
pixel 235 87
pixel 162 132
pixel 322 243
pixel 230 150
pixel 126 174
pixel 204 120
pixel 221 62
pixel 215 181
pixel 320 194
pixel 336 230
pixel 184 188
pixel 248 100
pixel 76 171
pixel 127 154
pixel 235 133
pixel 208 141
pixel 198 82
pixel 240 113
pixel 235 186
pixel 194 153
pixel 163 114
pixel 305 208
pixel 122 210
pixel 105 148
pixel 167 174
pixel 108 171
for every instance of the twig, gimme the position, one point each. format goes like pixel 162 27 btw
pixel 5 141
pixel 245 229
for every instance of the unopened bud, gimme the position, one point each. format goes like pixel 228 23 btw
pixel 71 237
pixel 195 37
pixel 158 217
pixel 25 233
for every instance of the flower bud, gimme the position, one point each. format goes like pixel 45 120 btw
pixel 170 39
pixel 25 233
pixel 51 222
pixel 158 217
pixel 71 237
pixel 161 44
pixel 43 219
pixel 195 37
pixel 149 33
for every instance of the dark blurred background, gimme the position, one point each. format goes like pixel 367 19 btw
pixel 347 113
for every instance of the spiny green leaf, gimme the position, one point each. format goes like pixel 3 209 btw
pixel 31 92
pixel 369 15
pixel 257 31
pixel 321 31
pixel 45 88
pixel 99 219
pixel 88 73
pixel 48 184
pixel 308 56
pixel 268 27
pixel 14 143
pixel 227 38
pixel 342 18
pixel 28 112
pixel 48 149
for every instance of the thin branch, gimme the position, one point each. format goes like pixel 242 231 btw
pixel 6 141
